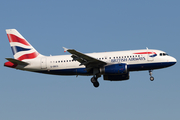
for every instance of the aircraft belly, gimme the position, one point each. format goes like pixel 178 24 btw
pixel 70 71
pixel 149 66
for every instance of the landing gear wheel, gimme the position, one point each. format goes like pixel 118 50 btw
pixel 152 78
pixel 95 82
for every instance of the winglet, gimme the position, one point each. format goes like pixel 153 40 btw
pixel 65 49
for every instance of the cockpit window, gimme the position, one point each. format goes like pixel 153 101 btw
pixel 163 54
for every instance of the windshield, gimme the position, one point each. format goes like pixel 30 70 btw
pixel 163 54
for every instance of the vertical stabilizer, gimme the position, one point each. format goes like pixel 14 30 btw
pixel 21 48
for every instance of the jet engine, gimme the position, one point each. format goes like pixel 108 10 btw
pixel 115 72
pixel 115 69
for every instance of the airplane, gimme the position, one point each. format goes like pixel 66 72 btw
pixel 113 66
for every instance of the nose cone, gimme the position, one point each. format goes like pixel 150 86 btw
pixel 172 60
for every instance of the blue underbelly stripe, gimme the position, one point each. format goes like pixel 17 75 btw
pixel 132 67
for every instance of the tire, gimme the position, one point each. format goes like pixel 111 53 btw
pixel 152 78
pixel 96 84
pixel 93 80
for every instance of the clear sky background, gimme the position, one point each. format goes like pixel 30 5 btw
pixel 91 26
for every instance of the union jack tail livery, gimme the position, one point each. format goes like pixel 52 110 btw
pixel 113 66
pixel 21 48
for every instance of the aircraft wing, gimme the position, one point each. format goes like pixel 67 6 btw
pixel 86 60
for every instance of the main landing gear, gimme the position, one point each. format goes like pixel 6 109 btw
pixel 96 75
pixel 95 82
pixel 151 77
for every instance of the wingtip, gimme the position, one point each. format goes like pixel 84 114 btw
pixel 65 49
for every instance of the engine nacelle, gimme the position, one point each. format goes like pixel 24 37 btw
pixel 115 69
pixel 116 77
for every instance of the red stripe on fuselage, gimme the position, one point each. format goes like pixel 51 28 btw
pixel 145 53
pixel 28 56
pixel 14 38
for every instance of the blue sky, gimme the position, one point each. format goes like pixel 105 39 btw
pixel 90 26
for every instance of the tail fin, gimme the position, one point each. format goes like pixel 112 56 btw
pixel 21 48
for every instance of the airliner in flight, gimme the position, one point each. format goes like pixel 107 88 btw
pixel 113 66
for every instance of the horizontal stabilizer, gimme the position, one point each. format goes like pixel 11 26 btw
pixel 15 61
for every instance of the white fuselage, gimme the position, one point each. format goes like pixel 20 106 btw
pixel 135 59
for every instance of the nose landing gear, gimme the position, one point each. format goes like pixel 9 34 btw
pixel 151 77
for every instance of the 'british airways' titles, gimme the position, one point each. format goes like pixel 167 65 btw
pixel 128 59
